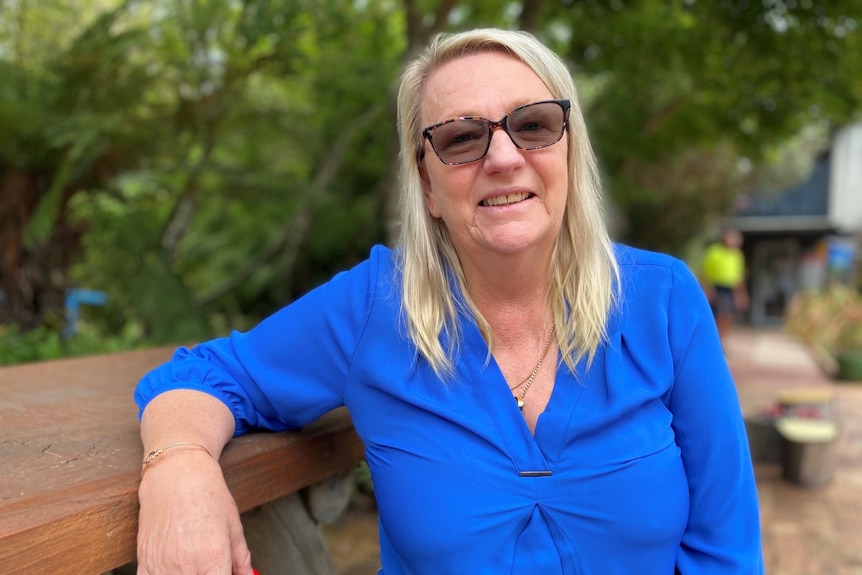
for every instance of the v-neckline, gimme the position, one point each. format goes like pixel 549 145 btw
pixel 529 451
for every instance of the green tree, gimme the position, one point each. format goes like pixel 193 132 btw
pixel 67 101
pixel 205 162
pixel 680 92
pixel 189 141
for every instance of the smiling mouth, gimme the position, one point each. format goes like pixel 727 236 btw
pixel 506 200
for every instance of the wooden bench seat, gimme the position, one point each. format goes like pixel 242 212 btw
pixel 70 459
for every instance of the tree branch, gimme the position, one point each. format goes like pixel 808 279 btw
pixel 441 18
pixel 181 216
pixel 290 237
pixel 531 15
pixel 415 29
pixel 655 121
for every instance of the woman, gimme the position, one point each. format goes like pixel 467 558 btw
pixel 532 398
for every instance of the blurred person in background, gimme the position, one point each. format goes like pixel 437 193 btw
pixel 723 278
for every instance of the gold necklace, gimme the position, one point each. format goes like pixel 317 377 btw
pixel 529 381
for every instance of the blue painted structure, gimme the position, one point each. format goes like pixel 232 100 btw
pixel 808 198
pixel 75 298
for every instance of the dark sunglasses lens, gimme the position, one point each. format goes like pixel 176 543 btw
pixel 460 141
pixel 537 125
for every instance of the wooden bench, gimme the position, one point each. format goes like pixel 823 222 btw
pixel 70 459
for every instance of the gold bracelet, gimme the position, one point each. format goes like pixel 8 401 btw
pixel 152 455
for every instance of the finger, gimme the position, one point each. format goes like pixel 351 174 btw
pixel 242 561
pixel 240 552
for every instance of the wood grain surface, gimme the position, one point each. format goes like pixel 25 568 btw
pixel 70 457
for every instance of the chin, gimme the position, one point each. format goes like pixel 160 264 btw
pixel 515 246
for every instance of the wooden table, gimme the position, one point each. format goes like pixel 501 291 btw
pixel 70 459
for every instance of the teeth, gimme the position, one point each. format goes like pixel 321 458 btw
pixel 505 200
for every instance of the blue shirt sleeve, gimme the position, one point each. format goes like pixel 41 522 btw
pixel 289 369
pixel 723 531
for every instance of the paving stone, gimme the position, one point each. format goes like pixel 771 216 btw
pixel 806 531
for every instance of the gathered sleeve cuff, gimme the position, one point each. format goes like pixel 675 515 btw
pixel 292 367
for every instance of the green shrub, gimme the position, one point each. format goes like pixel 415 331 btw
pixel 830 319
pixel 44 343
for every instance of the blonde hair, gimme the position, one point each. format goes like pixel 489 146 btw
pixel 585 273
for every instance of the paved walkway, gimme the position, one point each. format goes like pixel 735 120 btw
pixel 806 530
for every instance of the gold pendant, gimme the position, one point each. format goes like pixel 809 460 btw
pixel 520 403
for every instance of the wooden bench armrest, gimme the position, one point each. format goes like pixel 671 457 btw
pixel 260 468
pixel 91 527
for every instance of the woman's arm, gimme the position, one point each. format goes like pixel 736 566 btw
pixel 186 415
pixel 283 373
pixel 723 532
pixel 188 520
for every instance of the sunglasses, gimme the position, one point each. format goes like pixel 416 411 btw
pixel 467 138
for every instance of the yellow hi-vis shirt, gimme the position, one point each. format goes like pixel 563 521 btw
pixel 723 266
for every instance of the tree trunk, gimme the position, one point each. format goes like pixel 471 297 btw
pixel 531 15
pixel 32 279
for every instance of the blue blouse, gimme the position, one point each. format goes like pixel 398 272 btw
pixel 638 465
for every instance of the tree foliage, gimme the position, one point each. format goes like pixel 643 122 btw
pixel 205 162
pixel 683 89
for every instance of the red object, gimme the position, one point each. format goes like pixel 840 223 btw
pixel 255 571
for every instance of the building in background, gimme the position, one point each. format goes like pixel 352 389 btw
pixel 805 236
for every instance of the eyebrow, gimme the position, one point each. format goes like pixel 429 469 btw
pixel 508 110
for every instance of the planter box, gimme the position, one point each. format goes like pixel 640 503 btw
pixel 809 450
pixel 764 442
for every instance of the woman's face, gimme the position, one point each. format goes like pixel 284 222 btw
pixel 511 200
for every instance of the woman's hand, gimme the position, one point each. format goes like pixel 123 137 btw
pixel 188 522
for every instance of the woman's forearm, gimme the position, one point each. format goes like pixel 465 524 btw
pixel 188 520
pixel 186 415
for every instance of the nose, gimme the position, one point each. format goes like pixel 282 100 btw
pixel 502 152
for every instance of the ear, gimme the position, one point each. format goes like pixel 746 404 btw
pixel 430 201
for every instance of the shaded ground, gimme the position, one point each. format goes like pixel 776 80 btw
pixel 806 531
pixel 353 541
